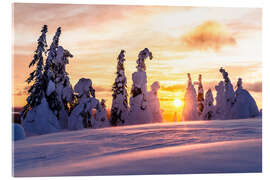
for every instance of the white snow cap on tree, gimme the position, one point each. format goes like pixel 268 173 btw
pixel 244 106
pixel 139 112
pixel 81 116
pixel 153 103
pixel 190 112
pixel 209 109
pixel 119 109
pixel 220 101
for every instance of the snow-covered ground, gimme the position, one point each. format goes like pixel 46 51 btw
pixel 175 148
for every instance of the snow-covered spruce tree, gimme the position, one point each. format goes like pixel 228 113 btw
pixel 119 109
pixel 220 101
pixel 49 75
pixel 81 115
pixel 190 111
pixel 101 116
pixel 139 112
pixel 229 93
pixel 36 92
pixel 200 96
pixel 62 84
pixel 244 106
pixel 154 104
pixel 37 117
pixel 209 109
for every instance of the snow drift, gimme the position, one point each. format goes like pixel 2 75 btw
pixel 231 146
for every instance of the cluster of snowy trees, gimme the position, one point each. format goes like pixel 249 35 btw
pixel 230 103
pixel 53 104
pixel 144 106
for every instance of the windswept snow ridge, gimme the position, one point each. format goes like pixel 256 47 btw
pixel 188 147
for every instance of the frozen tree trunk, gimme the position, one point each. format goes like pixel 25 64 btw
pixel 119 109
pixel 139 110
pixel 209 109
pixel 244 106
pixel 154 104
pixel 190 112
pixel 229 94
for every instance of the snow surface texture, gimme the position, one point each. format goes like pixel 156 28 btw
pixel 174 148
pixel 153 103
pixel 40 120
pixel 190 112
pixel 18 132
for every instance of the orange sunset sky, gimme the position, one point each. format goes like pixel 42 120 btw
pixel 182 39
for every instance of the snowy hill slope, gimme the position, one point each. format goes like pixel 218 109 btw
pixel 187 147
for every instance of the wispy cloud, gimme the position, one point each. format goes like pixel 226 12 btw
pixel 255 87
pixel 209 35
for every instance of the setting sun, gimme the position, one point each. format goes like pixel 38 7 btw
pixel 178 102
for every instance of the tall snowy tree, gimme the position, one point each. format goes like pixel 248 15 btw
pixel 37 117
pixel 49 74
pixel 63 88
pixel 81 115
pixel 209 109
pixel 220 101
pixel 154 104
pixel 36 92
pixel 190 112
pixel 119 109
pixel 200 96
pixel 229 93
pixel 244 106
pixel 139 112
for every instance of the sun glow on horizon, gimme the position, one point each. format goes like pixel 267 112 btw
pixel 178 102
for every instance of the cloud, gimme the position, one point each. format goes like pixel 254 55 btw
pixel 255 87
pixel 22 92
pixel 209 35
pixel 102 89
pixel 173 88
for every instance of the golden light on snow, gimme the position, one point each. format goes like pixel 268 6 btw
pixel 178 102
